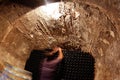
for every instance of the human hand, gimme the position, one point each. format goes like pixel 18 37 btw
pixel 49 67
pixel 54 61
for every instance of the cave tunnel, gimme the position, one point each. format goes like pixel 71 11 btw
pixel 88 31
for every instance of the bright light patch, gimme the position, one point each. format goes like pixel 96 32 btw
pixel 51 10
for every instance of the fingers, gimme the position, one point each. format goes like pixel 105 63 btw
pixel 56 60
pixel 54 50
pixel 60 55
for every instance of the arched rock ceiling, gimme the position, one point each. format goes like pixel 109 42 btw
pixel 79 26
pixel 90 25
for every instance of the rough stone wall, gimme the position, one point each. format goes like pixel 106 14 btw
pixel 90 25
pixel 12 42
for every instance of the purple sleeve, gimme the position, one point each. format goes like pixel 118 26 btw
pixel 48 69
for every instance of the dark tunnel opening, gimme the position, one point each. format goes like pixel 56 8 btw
pixel 76 65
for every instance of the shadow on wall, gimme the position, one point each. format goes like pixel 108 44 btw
pixel 76 65
pixel 34 63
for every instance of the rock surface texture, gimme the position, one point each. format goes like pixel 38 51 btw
pixel 90 25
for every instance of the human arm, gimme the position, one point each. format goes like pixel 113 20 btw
pixel 48 67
